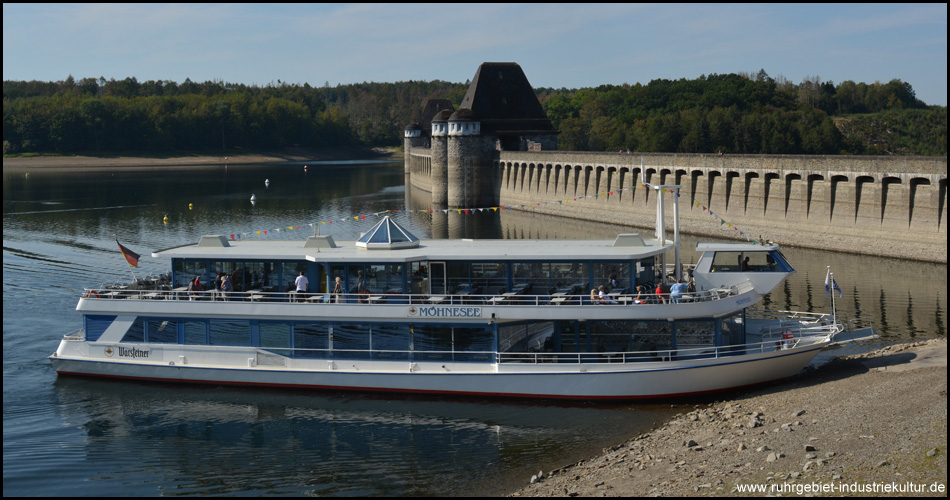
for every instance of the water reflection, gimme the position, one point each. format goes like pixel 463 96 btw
pixel 222 441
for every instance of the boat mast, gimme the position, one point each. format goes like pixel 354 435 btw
pixel 661 227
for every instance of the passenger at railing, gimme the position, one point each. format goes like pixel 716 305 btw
pixel 640 298
pixel 594 298
pixel 603 298
pixel 194 288
pixel 226 286
pixel 337 293
pixel 661 293
pixel 678 290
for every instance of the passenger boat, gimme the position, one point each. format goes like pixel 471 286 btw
pixel 515 318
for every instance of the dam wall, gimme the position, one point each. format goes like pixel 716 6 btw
pixel 877 205
pixel 895 206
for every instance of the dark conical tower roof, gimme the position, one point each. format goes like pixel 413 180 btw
pixel 505 103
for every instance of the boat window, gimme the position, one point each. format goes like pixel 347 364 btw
pixel 275 337
pixel 419 277
pixel 196 332
pixel 572 278
pixel 472 344
pixel 732 331
pixel 490 277
pixel 651 335
pixel 756 261
pixel 186 270
pixel 777 262
pixel 390 341
pixel 95 326
pixel 375 278
pixel 605 272
pixel 458 278
pixel 695 333
pixel 610 336
pixel 645 272
pixel 436 339
pixel 261 276
pixel 311 340
pixel 525 337
pixel 350 341
pixel 136 332
pixel 230 332
pixel 161 331
pixel 572 336
pixel 534 277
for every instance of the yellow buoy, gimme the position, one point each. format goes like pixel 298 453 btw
pixel 191 206
pixel 165 220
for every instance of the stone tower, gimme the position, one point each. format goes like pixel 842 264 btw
pixel 439 158
pixel 470 158
pixel 499 111
pixel 413 137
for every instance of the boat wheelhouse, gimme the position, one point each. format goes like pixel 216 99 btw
pixel 520 318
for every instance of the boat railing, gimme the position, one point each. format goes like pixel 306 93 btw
pixel 796 324
pixel 396 298
pixel 537 357
pixel 660 354
pixel 75 335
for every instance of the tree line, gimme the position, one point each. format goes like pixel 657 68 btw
pixel 733 113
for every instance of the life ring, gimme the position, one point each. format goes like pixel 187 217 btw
pixel 364 297
pixel 92 294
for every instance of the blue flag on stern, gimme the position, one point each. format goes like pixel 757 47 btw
pixel 830 284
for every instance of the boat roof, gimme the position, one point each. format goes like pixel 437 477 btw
pixel 735 247
pixel 629 246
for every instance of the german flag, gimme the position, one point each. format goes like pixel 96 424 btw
pixel 129 255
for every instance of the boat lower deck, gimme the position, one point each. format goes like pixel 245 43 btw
pixel 620 375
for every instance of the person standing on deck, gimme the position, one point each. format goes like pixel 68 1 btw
pixel 677 290
pixel 302 285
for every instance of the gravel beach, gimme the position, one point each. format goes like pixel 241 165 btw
pixel 868 425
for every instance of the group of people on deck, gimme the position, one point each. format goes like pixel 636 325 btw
pixel 222 284
pixel 661 296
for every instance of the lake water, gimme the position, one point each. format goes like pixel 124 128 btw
pixel 72 436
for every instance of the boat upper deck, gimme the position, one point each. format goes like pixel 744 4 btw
pixel 624 247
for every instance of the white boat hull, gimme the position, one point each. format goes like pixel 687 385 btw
pixel 591 381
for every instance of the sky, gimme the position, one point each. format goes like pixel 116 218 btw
pixel 557 45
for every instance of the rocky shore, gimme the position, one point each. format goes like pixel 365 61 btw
pixel 868 425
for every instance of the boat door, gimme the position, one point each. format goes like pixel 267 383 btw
pixel 437 278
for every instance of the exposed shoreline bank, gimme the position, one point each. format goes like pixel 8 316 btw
pixel 290 155
pixel 860 422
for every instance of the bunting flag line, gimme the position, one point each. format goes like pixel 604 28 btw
pixel 469 211
pixel 129 255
